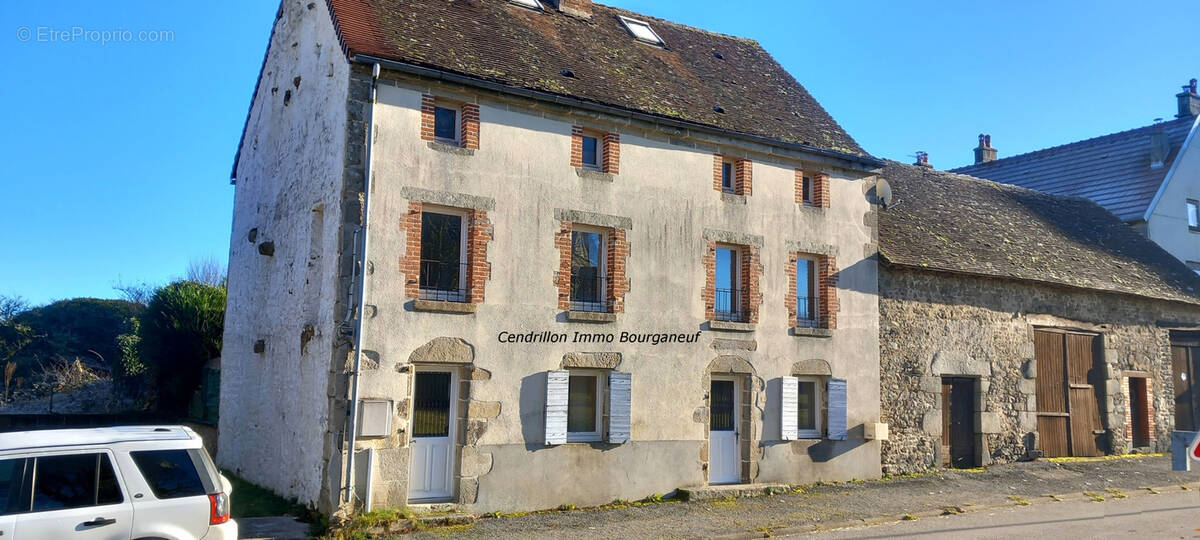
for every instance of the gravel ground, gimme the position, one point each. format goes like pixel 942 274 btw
pixel 838 503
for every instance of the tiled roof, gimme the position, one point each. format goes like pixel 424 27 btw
pixel 956 223
pixel 695 73
pixel 1113 170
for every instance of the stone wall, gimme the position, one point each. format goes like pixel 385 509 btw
pixel 935 324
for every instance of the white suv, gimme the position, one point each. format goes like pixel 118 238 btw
pixel 109 483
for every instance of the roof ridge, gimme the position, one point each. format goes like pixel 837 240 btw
pixel 1050 149
pixel 1000 185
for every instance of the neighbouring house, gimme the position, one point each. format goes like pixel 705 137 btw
pixel 1017 324
pixel 517 254
pixel 1148 177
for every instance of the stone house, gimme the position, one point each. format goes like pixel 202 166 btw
pixel 1017 324
pixel 515 254
pixel 1149 177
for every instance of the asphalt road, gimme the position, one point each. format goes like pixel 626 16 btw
pixel 1174 514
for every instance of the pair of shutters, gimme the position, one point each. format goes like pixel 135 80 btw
pixel 618 404
pixel 835 392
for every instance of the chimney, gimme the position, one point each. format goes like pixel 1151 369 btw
pixel 1160 146
pixel 580 9
pixel 922 159
pixel 984 152
pixel 1189 101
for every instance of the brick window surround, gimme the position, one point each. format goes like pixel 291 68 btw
pixel 617 249
pixel 610 149
pixel 468 121
pixel 819 188
pixel 751 274
pixel 479 233
pixel 827 277
pixel 743 177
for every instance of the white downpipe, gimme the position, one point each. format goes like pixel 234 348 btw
pixel 352 407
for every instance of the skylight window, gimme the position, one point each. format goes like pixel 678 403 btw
pixel 531 4
pixel 641 30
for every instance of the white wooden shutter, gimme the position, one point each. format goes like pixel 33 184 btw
pixel 619 388
pixel 836 390
pixel 557 386
pixel 789 392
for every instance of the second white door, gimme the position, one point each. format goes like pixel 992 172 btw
pixel 724 459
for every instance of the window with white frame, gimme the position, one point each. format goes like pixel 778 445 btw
pixel 531 4
pixel 808 407
pixel 806 293
pixel 728 294
pixel 443 269
pixel 447 123
pixel 585 413
pixel 589 279
pixel 1193 215
pixel 593 151
pixel 642 31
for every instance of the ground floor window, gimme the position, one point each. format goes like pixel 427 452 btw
pixel 583 407
pixel 808 408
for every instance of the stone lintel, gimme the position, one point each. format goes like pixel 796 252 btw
pixel 591 360
pixel 731 237
pixel 594 219
pixel 447 198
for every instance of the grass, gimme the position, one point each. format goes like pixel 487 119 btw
pixel 909 517
pixel 361 526
pixel 1116 493
pixel 1020 501
pixel 249 500
pixel 1093 496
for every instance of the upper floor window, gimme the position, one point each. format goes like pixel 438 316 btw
pixel 728 176
pixel 531 4
pixel 728 294
pixel 731 175
pixel 446 127
pixel 443 272
pixel 642 31
pixel 592 152
pixel 1193 215
pixel 589 280
pixel 806 293
pixel 806 190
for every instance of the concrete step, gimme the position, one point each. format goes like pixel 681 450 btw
pixel 444 520
pixel 731 491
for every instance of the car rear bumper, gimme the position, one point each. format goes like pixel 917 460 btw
pixel 224 531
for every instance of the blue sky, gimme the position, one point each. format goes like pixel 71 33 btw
pixel 115 158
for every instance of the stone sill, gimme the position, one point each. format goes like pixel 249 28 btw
pixel 808 331
pixel 732 326
pixel 450 148
pixel 591 316
pixel 443 307
pixel 733 198
pixel 593 174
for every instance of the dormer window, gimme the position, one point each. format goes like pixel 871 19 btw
pixel 530 4
pixel 642 31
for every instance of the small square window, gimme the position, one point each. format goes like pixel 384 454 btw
pixel 728 177
pixel 445 124
pixel 531 4
pixel 808 408
pixel 642 31
pixel 1193 215
pixel 591 152
pixel 584 420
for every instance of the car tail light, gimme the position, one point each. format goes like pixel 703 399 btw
pixel 218 505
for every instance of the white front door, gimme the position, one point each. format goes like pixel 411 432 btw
pixel 431 471
pixel 724 459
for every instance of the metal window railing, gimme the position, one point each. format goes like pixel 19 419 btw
pixel 806 312
pixel 727 305
pixel 443 281
pixel 590 292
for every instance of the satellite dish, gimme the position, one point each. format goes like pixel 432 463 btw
pixel 883 190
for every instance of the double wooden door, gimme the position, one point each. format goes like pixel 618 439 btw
pixel 1068 384
pixel 1185 354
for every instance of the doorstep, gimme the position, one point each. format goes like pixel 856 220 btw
pixel 730 491
pixel 444 520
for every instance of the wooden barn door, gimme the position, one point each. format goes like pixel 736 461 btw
pixel 1067 385
pixel 958 422
pixel 1185 353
